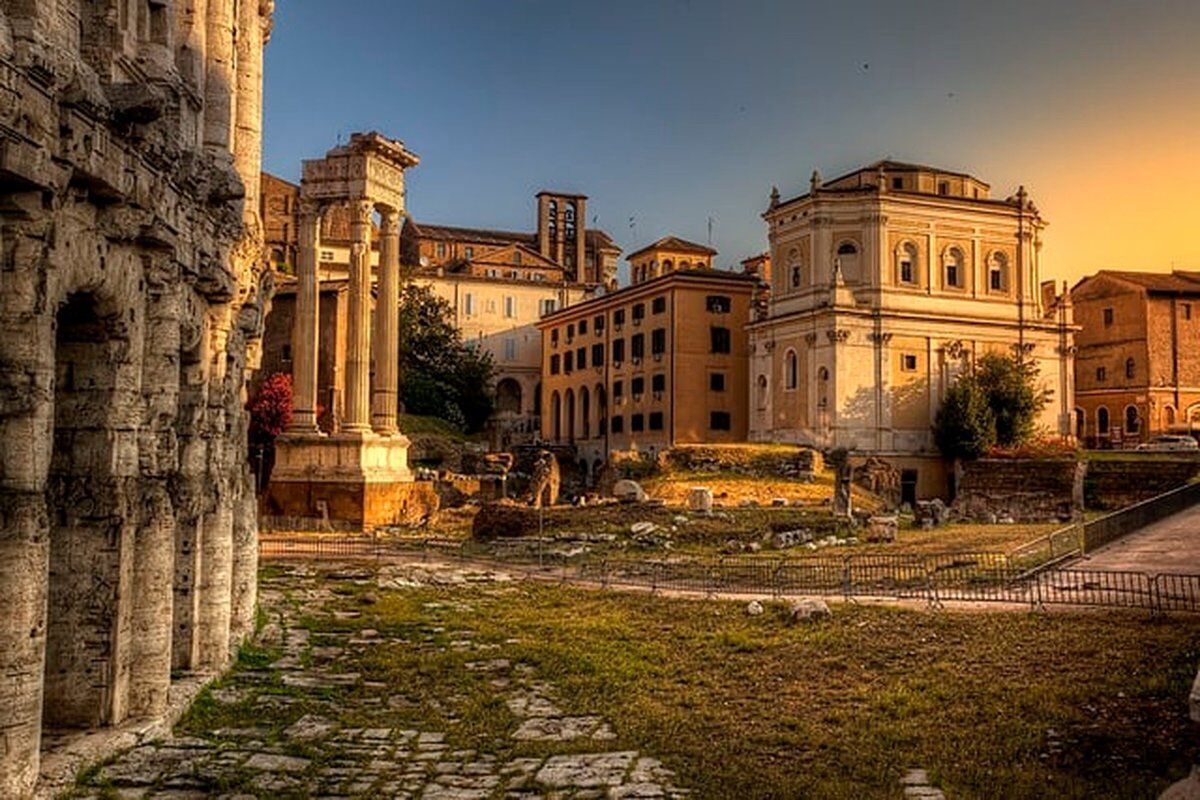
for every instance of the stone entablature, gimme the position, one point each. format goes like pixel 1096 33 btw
pixel 133 293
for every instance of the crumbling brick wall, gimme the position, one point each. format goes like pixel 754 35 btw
pixel 1026 490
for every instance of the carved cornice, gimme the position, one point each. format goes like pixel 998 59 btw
pixel 837 335
pixel 954 349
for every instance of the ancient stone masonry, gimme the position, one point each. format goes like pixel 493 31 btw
pixel 131 300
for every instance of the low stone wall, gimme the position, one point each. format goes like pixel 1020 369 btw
pixel 760 461
pixel 1025 490
pixel 1116 483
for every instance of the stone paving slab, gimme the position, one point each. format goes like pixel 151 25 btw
pixel 316 756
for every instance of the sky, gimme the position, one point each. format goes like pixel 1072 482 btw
pixel 674 115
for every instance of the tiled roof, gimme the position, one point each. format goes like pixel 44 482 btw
pixel 677 245
pixel 480 235
pixel 1172 282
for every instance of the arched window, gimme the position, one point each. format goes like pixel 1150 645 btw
pixel 1102 421
pixel 1168 415
pixel 585 413
pixel 1080 423
pixel 762 391
pixel 666 266
pixel 791 377
pixel 1132 423
pixel 1130 368
pixel 906 264
pixel 569 413
pixel 953 268
pixel 847 254
pixel 795 269
pixel 998 272
pixel 508 396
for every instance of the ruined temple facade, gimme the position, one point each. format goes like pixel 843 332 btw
pixel 131 303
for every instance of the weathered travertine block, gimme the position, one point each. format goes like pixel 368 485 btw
pixel 130 297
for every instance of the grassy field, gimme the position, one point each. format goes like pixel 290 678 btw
pixel 1010 705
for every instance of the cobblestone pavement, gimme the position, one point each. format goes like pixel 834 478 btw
pixel 301 746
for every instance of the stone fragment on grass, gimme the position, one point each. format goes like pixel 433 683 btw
pixel 809 610
pixel 754 608
pixel 628 491
pixel 700 499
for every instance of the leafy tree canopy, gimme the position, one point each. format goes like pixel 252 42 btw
pixel 440 375
pixel 996 404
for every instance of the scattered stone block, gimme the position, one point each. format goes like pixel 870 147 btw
pixel 628 491
pixel 700 499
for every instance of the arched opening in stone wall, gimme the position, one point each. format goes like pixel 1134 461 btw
pixel 569 413
pixel 508 396
pixel 87 658
pixel 585 413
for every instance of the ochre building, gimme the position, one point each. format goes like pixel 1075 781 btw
pixel 662 362
pixel 131 302
pixel 1137 371
pixel 886 283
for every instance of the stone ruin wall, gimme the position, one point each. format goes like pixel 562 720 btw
pixel 131 302
pixel 1025 490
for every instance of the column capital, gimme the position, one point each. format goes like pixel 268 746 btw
pixel 389 221
pixel 309 208
pixel 361 211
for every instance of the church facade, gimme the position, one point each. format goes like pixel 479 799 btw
pixel 886 284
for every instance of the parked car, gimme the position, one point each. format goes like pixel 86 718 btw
pixel 1170 442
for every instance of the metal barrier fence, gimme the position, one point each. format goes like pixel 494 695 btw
pixel 1111 527
pixel 935 578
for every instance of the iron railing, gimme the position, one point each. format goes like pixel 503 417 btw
pixel 1107 529
pixel 935 578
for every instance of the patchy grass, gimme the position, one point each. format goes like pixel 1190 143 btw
pixel 992 704
pixel 414 423
pixel 963 538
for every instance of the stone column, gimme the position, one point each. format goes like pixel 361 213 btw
pixel 220 80
pixel 306 322
pixel 358 328
pixel 386 342
pixel 247 147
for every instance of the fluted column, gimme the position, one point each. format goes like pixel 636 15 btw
pixel 305 322
pixel 386 342
pixel 358 331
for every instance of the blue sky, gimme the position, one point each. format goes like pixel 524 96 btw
pixel 676 111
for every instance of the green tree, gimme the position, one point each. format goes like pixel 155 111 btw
pixel 1013 395
pixel 965 426
pixel 440 375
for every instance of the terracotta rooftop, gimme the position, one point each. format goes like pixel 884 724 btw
pixel 675 245
pixel 1177 282
pixel 481 235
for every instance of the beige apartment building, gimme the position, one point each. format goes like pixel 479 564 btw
pixel 886 283
pixel 1137 372
pixel 498 283
pixel 662 362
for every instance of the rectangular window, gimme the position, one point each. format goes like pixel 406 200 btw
pixel 721 340
pixel 571 332
pixel 598 325
pixel 597 355
pixel 718 304
pixel 658 305
pixel 996 280
pixel 618 390
pixel 582 327
pixel 637 345
pixel 637 423
pixel 1108 317
pixel 510 307
pixel 639 312
pixel 943 188
pixel 716 381
pixel 908 362
pixel 327 255
pixel 618 424
pixel 658 383
pixel 468 304
pixel 720 421
pixel 618 348
pixel 441 249
pixel 1101 374
pixel 658 341
pixel 637 387
pixel 656 421
pixel 1187 310
pixel 568 362
pixel 897 183
pixel 548 306
pixel 554 337
pixel 907 274
pixel 510 349
pixel 581 358
pixel 554 364
pixel 952 274
pixel 469 252
pixel 619 317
